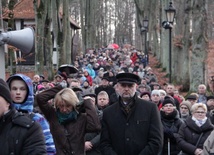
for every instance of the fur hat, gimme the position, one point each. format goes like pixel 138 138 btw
pixel 5 91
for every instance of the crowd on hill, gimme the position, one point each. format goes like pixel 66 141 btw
pixel 80 102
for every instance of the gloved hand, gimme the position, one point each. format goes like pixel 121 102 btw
pixel 168 133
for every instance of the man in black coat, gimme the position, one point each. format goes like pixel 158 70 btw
pixel 131 126
pixel 18 133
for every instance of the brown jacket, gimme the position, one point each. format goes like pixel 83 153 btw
pixel 69 138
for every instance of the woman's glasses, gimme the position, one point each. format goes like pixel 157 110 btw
pixel 200 112
pixel 183 107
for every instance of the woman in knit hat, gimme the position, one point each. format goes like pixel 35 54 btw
pixel 171 124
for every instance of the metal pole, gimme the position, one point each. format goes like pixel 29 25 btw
pixel 168 146
pixel 170 55
pixel 146 48
pixel 2 55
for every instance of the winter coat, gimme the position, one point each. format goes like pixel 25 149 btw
pixel 138 134
pixel 27 107
pixel 91 71
pixel 209 145
pixel 68 138
pixel 94 138
pixel 189 134
pixel 171 124
pixel 20 136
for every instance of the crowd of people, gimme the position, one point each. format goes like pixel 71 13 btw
pixel 113 105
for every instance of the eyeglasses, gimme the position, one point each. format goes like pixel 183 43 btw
pixel 169 105
pixel 200 112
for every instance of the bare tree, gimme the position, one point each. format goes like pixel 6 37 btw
pixel 200 44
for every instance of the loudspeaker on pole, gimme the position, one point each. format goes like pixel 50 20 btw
pixel 22 39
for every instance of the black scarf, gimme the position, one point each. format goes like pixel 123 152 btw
pixel 126 108
pixel 170 116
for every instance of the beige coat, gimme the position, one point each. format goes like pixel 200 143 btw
pixel 209 145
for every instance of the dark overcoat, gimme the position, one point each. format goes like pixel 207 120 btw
pixel 189 133
pixel 139 134
pixel 20 136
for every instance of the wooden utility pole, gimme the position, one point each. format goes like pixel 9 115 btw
pixel 2 56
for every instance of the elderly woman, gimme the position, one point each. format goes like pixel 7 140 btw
pixel 68 125
pixel 193 133
pixel 171 124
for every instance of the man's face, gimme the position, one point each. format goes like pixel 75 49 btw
pixel 104 82
pixel 74 84
pixel 18 91
pixel 4 106
pixel 201 89
pixel 126 90
pixel 184 109
pixel 155 98
pixel 210 104
pixel 36 79
pixel 170 89
pixel 102 100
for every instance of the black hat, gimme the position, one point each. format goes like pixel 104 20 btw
pixel 106 76
pixel 168 100
pixel 128 78
pixel 5 91
pixel 210 97
pixel 91 95
pixel 45 80
pixel 191 97
pixel 41 76
pixel 75 88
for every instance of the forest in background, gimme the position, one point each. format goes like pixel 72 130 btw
pixel 120 21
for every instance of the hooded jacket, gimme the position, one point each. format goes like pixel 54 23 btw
pixel 27 107
pixel 91 71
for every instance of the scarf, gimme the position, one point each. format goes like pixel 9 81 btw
pixel 127 107
pixel 170 116
pixel 65 118
pixel 199 123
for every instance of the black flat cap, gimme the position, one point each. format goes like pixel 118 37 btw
pixel 128 78
pixel 191 97
pixel 75 89
pixel 91 95
pixel 210 97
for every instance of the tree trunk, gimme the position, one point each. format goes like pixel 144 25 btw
pixel 199 47
pixel 181 44
pixel 41 14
